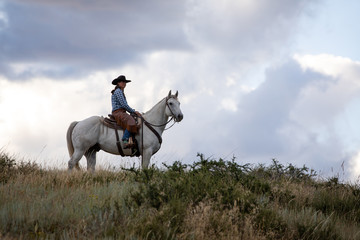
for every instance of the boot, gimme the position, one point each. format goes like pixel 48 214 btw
pixel 129 143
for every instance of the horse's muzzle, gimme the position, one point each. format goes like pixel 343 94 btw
pixel 179 117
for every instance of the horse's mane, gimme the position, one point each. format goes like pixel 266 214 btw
pixel 155 106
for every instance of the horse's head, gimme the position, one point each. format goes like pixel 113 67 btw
pixel 173 107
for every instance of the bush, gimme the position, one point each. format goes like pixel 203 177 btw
pixel 9 167
pixel 209 199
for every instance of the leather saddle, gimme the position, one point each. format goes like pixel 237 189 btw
pixel 111 122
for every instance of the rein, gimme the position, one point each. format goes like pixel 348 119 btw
pixel 154 125
pixel 161 125
pixel 151 127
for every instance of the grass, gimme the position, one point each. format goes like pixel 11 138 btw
pixel 209 199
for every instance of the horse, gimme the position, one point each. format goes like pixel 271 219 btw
pixel 90 135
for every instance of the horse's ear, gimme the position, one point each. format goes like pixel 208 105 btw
pixel 169 94
pixel 176 94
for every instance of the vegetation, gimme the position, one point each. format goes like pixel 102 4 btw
pixel 205 200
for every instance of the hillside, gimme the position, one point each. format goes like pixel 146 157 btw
pixel 209 199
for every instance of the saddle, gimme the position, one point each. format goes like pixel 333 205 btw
pixel 110 122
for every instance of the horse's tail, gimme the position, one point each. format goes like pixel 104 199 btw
pixel 69 138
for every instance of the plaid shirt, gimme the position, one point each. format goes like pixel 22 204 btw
pixel 118 100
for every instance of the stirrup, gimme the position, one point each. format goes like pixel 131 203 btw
pixel 128 143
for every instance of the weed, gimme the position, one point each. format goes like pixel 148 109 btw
pixel 209 199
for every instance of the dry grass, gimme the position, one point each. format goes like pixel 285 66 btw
pixel 206 200
pixel 204 221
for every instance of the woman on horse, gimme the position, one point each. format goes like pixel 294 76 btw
pixel 119 109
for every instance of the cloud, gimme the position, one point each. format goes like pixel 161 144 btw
pixel 257 130
pixel 355 167
pixel 64 39
pixel 4 21
pixel 266 110
pixel 254 27
pixel 37 113
pixel 241 94
pixel 296 115
pixel 325 99
pixel 71 38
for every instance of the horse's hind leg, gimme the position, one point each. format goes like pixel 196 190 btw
pixel 91 159
pixel 74 160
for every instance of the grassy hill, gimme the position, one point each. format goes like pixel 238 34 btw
pixel 209 199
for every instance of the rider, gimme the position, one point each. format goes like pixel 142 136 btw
pixel 119 109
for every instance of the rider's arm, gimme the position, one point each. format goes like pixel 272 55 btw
pixel 123 103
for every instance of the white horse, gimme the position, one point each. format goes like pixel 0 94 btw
pixel 90 135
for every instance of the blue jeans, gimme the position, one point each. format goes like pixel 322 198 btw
pixel 126 135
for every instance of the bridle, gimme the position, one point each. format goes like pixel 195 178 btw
pixel 164 124
pixel 151 125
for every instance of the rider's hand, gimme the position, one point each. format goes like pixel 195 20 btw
pixel 137 113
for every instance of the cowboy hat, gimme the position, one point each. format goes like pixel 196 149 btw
pixel 120 78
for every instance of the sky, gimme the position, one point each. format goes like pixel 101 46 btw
pixel 257 79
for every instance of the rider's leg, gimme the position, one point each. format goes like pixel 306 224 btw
pixel 126 135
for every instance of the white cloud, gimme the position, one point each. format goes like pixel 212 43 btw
pixel 335 66
pixel 36 113
pixel 327 98
pixel 292 116
pixel 4 20
pixel 355 167
pixel 220 56
pixel 229 104
pixel 324 105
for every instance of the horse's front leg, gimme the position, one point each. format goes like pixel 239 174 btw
pixel 145 161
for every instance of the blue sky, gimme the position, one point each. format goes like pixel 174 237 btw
pixel 256 79
pixel 331 30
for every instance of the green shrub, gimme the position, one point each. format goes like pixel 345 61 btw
pixel 9 167
pixel 209 199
